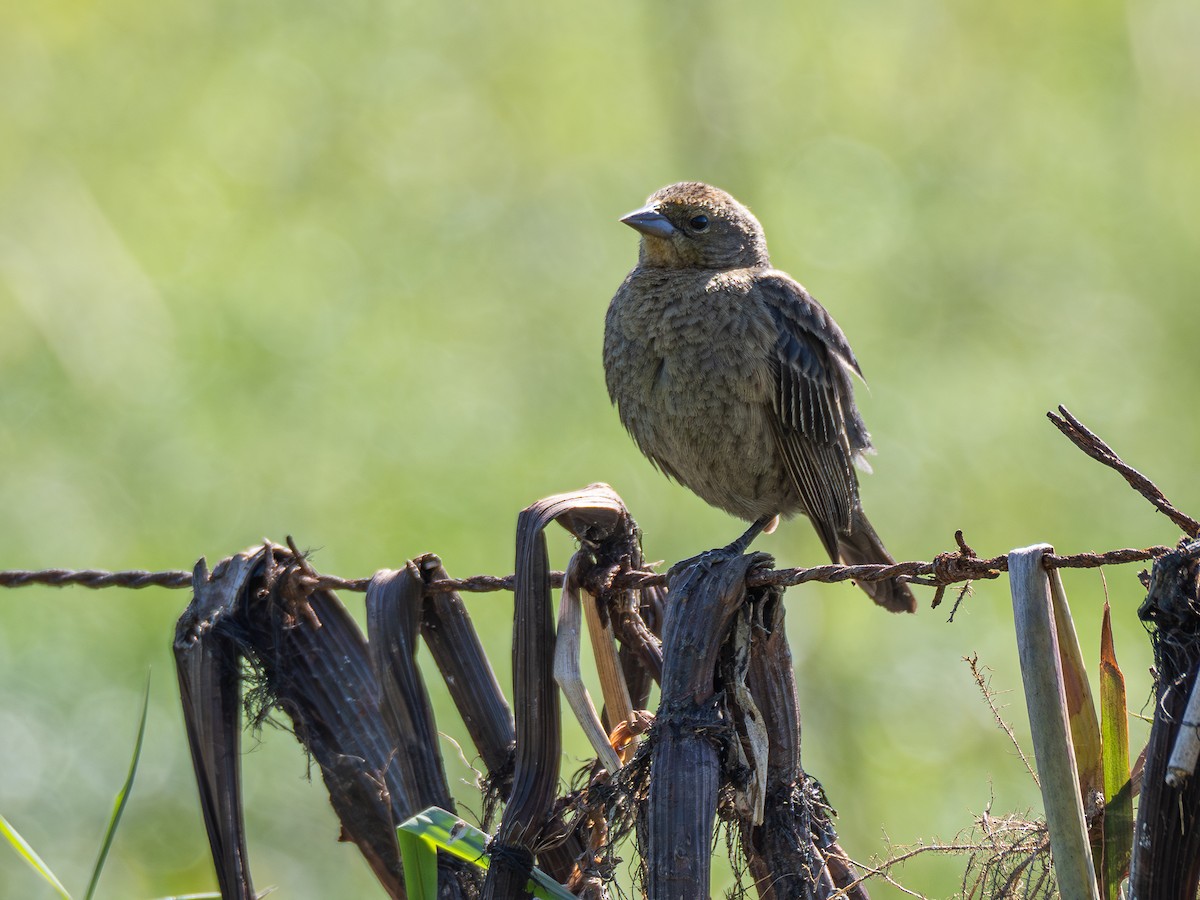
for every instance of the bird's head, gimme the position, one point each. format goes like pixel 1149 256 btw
pixel 691 225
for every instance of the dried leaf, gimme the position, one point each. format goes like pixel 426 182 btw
pixel 1118 793
pixel 1081 707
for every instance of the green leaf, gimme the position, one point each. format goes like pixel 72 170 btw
pixel 1118 795
pixel 436 829
pixel 27 853
pixel 122 796
pixel 419 856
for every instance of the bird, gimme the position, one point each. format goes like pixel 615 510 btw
pixel 735 382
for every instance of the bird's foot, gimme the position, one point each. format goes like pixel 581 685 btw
pixel 764 525
pixel 710 558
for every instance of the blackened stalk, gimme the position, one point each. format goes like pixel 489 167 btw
pixel 315 666
pixel 794 852
pixel 457 652
pixel 535 693
pixel 208 665
pixel 686 762
pixel 393 620
pixel 1166 840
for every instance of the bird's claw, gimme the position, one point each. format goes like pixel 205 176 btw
pixel 708 560
pixel 711 558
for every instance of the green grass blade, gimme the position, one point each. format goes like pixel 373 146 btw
pixel 1118 796
pixel 419 857
pixel 442 830
pixel 122 796
pixel 450 833
pixel 28 854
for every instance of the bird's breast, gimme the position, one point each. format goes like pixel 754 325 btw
pixel 687 363
pixel 688 338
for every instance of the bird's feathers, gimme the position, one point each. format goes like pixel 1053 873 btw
pixel 734 381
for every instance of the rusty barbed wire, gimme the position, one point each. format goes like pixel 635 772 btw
pixel 961 566
pixel 95 578
pixel 945 569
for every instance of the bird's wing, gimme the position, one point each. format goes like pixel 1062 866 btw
pixel 817 427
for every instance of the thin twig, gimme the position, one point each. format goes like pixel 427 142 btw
pixel 1094 447
pixel 884 870
pixel 989 697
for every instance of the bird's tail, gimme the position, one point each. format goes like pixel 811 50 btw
pixel 862 546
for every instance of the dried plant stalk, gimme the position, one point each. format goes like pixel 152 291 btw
pixel 309 660
pixel 458 653
pixel 639 631
pixel 1042 673
pixel 613 687
pixel 312 659
pixel 686 768
pixel 576 604
pixel 210 687
pixel 538 729
pixel 794 853
pixel 567 668
pixel 393 621
pixel 1166 845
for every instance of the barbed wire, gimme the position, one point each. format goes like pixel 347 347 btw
pixel 959 566
pixel 943 570
pixel 95 578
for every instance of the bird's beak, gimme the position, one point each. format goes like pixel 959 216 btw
pixel 649 221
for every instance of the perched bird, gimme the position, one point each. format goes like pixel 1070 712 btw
pixel 735 382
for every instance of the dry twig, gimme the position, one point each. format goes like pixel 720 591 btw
pixel 985 687
pixel 1094 447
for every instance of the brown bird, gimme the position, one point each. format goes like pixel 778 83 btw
pixel 735 382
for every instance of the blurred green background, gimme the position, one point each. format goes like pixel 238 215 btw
pixel 340 271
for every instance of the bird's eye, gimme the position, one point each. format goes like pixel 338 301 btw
pixel 699 223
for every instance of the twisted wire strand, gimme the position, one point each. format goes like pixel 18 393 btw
pixel 945 569
pixel 960 566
